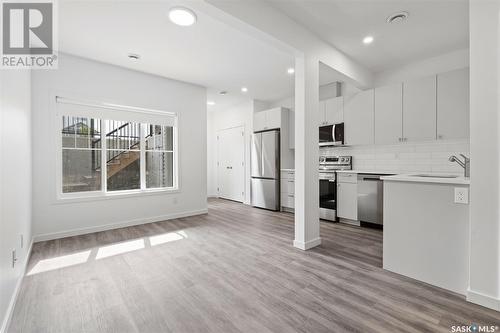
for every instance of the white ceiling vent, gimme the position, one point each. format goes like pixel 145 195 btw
pixel 397 17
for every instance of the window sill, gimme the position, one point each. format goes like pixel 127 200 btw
pixel 98 196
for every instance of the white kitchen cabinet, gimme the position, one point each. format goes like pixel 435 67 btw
pixel 321 113
pixel 389 114
pixel 259 121
pixel 287 189
pixel 268 119
pixel 347 196
pixel 359 118
pixel 334 110
pixel 419 109
pixel 331 111
pixel 453 105
pixel 273 118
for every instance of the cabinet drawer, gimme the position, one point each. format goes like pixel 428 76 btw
pixel 288 186
pixel 347 178
pixel 287 200
pixel 287 175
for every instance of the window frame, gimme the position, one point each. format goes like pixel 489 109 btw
pixel 62 197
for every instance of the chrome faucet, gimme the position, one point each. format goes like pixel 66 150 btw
pixel 465 164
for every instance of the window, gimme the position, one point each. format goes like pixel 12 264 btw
pixel 123 155
pixel 102 155
pixel 81 154
pixel 159 156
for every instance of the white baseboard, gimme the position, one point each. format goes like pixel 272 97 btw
pixel 307 245
pixel 484 300
pixel 82 231
pixel 10 309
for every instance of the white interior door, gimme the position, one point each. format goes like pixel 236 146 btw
pixel 231 163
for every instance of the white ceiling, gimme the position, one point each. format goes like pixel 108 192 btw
pixel 209 53
pixel 434 27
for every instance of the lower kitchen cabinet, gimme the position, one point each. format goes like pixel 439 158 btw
pixel 347 197
pixel 287 189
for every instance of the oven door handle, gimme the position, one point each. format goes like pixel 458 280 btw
pixel 331 180
pixel 334 139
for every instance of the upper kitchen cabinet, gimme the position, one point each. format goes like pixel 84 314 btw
pixel 268 119
pixel 453 105
pixel 389 114
pixel 419 109
pixel 334 110
pixel 331 111
pixel 259 121
pixel 359 118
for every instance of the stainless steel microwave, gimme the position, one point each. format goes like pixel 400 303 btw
pixel 331 135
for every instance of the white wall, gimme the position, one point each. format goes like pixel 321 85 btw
pixel 430 66
pixel 15 183
pixel 101 82
pixel 484 284
pixel 234 116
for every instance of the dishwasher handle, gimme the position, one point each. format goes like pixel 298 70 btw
pixel 369 177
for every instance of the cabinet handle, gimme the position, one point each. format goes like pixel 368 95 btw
pixel 290 195
pixel 400 139
pixel 440 137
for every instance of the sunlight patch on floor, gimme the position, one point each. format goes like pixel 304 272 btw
pixel 60 262
pixel 119 248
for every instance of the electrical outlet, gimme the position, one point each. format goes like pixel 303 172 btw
pixel 461 195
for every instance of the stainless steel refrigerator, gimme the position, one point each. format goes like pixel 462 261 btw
pixel 265 170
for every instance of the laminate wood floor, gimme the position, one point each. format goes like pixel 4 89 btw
pixel 232 270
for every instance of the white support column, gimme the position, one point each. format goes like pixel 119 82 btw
pixel 306 153
pixel 484 258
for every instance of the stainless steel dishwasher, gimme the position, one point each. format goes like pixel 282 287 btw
pixel 370 198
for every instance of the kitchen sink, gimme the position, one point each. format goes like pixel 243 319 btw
pixel 437 176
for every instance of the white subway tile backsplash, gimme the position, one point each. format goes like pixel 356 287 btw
pixel 405 158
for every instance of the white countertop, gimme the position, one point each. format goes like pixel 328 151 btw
pixel 372 172
pixel 414 178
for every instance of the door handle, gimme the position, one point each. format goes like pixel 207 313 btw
pixel 229 167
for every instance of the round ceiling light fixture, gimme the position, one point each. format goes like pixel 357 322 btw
pixel 244 89
pixel 368 40
pixel 290 70
pixel 397 17
pixel 133 56
pixel 223 92
pixel 210 103
pixel 182 16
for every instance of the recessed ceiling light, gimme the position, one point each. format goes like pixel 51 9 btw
pixel 368 40
pixel 223 92
pixel 210 103
pixel 290 70
pixel 133 56
pixel 244 89
pixel 182 16
pixel 397 17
